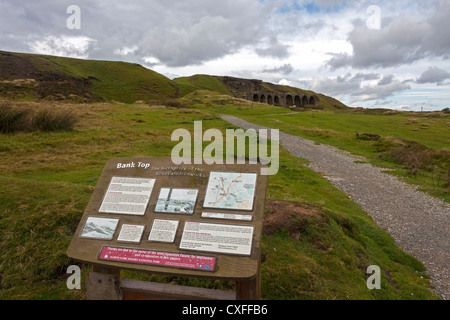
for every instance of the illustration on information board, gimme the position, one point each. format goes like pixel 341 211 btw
pixel 173 200
pixel 234 191
pixel 99 228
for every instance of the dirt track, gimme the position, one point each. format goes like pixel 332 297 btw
pixel 419 223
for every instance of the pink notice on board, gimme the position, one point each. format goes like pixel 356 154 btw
pixel 164 259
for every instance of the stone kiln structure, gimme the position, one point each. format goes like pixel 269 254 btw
pixel 258 91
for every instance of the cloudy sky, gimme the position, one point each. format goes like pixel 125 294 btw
pixel 392 54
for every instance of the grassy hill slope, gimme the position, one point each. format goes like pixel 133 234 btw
pixel 219 85
pixel 201 82
pixel 32 77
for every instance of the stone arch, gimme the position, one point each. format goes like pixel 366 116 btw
pixel 276 101
pixel 263 99
pixel 269 100
pixel 255 97
pixel 297 101
pixel 289 101
pixel 312 100
pixel 305 100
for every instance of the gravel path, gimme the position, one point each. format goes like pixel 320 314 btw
pixel 419 223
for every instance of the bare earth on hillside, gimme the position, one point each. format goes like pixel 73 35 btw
pixel 419 223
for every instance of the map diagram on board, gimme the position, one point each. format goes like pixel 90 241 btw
pixel 234 191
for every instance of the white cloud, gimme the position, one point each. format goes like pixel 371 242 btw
pixel 357 88
pixel 125 51
pixel 68 46
pixel 205 31
pixel 434 75
pixel 403 39
pixel 379 92
pixel 284 69
pixel 274 49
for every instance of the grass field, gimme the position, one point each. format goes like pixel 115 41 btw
pixel 416 146
pixel 317 243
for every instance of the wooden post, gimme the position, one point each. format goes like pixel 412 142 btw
pixel 103 284
pixel 250 289
pixel 140 290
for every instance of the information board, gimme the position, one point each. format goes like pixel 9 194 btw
pixel 166 259
pixel 230 190
pixel 164 230
pixel 99 228
pixel 227 216
pixel 172 200
pixel 211 237
pixel 193 220
pixel 127 196
pixel 131 233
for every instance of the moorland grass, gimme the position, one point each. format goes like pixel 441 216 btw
pixel 15 118
pixel 50 177
pixel 414 146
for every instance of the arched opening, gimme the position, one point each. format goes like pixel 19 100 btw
pixel 276 101
pixel 312 101
pixel 269 100
pixel 305 101
pixel 289 101
pixel 255 98
pixel 263 99
pixel 298 102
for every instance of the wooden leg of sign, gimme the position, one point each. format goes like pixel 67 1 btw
pixel 106 270
pixel 140 290
pixel 250 289
pixel 103 284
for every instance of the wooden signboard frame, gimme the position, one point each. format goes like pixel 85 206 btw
pixel 105 283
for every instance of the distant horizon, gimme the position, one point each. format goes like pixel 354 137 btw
pixel 370 54
pixel 224 75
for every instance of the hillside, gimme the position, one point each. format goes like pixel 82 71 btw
pixel 35 77
pixel 31 77
pixel 258 91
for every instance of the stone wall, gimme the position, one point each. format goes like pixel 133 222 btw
pixel 284 99
pixel 254 90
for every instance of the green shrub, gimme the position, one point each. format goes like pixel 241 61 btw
pixel 53 120
pixel 415 156
pixel 172 103
pixel 448 177
pixel 12 118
